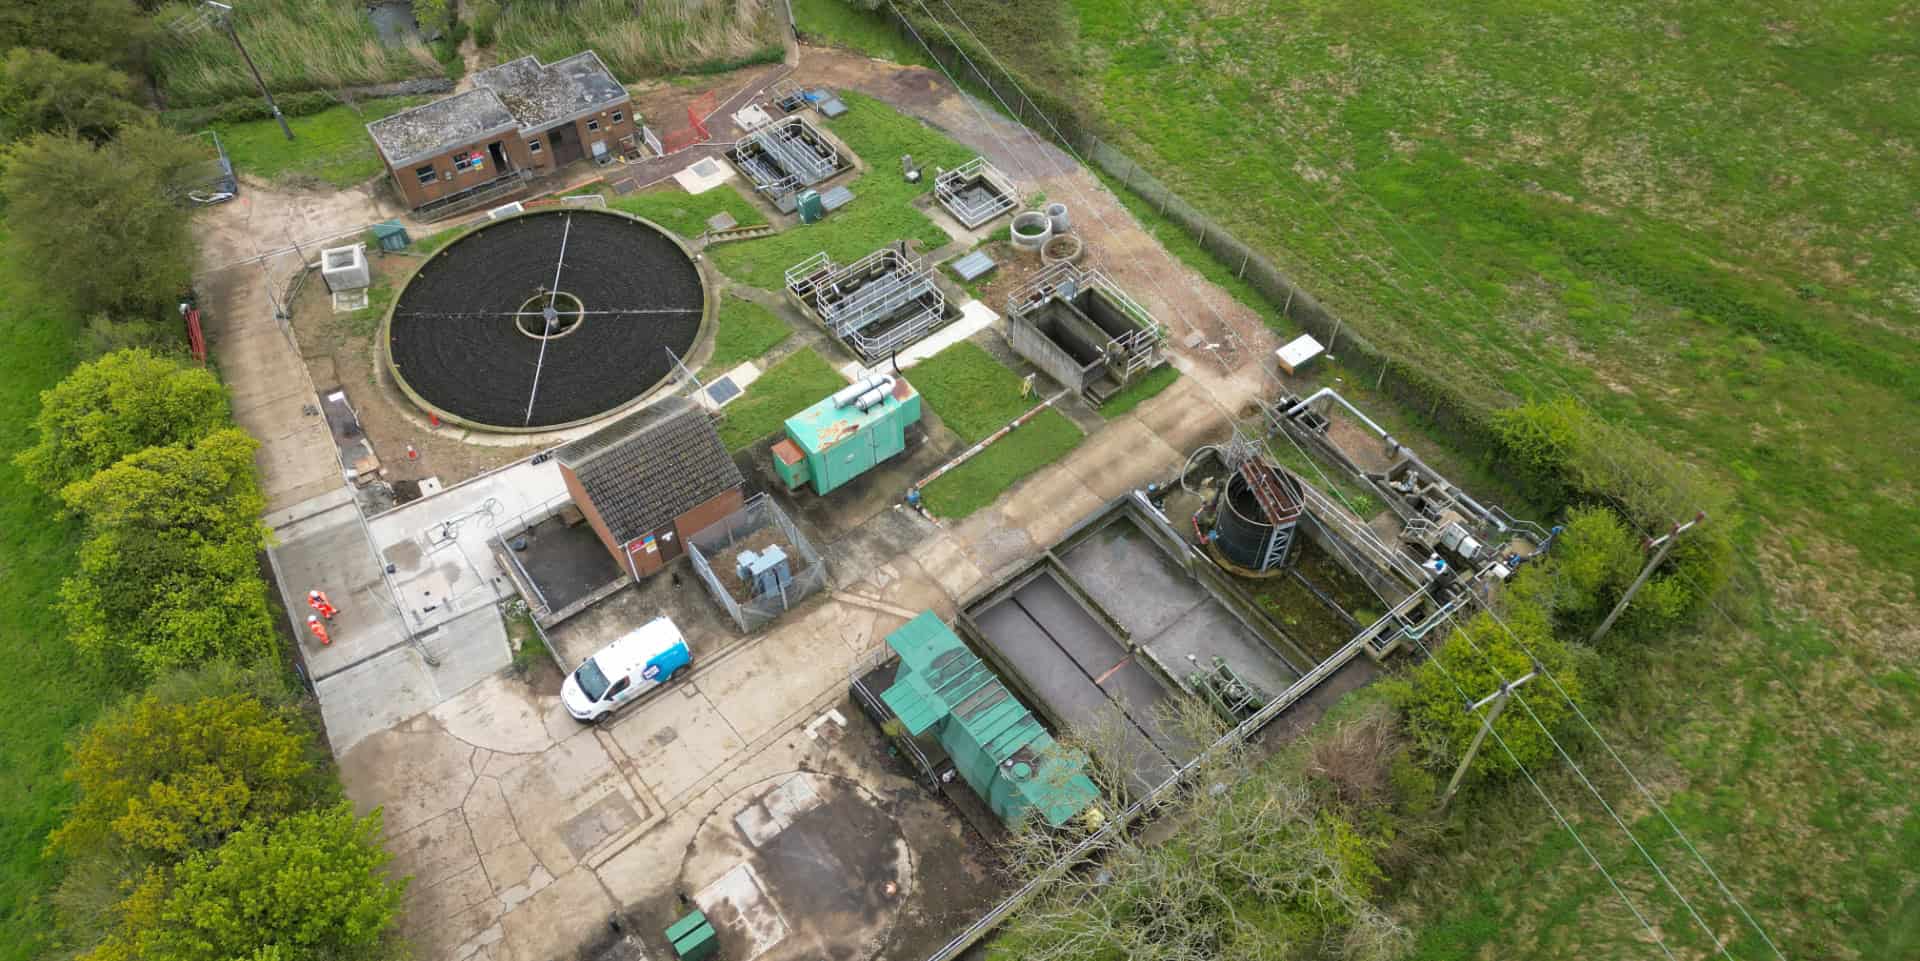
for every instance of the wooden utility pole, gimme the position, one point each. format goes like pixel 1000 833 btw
pixel 224 13
pixel 1499 700
pixel 1665 547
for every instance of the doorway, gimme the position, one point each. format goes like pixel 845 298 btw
pixel 566 148
pixel 499 156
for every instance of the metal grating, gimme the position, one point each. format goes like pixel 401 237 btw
pixel 975 192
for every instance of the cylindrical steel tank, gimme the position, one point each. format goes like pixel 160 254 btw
pixel 1241 531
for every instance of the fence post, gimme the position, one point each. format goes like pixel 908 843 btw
pixel 1243 264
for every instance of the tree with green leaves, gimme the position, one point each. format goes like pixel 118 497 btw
pixel 104 227
pixel 1596 557
pixel 1472 663
pixel 161 781
pixel 114 406
pixel 42 91
pixel 311 887
pixel 168 575
pixel 107 31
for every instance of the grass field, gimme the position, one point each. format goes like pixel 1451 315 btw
pixel 43 697
pixel 297 44
pixel 782 391
pixel 880 213
pixel 1698 219
pixel 837 23
pixel 331 146
pixel 974 395
pixel 746 330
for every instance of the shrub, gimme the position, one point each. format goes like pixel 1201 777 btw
pixel 1596 558
pixel 163 780
pixel 313 886
pixel 1564 454
pixel 1472 664
pixel 40 91
pixel 114 406
pixel 168 575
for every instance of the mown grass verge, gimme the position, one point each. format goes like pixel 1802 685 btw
pixel 974 395
pixel 686 214
pixel 44 696
pixel 782 391
pixel 882 211
pixel 745 331
pixel 331 146
pixel 1139 392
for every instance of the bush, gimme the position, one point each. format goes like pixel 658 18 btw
pixel 1563 454
pixel 117 405
pixel 1471 664
pixel 161 780
pixel 168 575
pixel 39 91
pixel 313 887
pixel 246 109
pixel 1596 557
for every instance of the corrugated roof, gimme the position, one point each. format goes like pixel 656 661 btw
pixel 646 469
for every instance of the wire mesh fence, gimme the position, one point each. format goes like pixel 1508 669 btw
pixel 758 525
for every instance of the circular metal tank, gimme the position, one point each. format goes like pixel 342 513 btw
pixel 1241 532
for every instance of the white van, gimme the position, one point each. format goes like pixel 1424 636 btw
pixel 639 661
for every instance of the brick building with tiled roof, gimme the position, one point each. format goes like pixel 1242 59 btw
pixel 649 480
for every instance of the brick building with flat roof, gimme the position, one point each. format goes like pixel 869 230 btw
pixel 521 118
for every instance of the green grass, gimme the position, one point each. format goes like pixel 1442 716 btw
pixel 1139 392
pixel 973 393
pixel 782 391
pixel 976 483
pixel 838 23
pixel 298 45
pixel 686 214
pixel 880 213
pixel 43 696
pixel 1696 218
pixel 641 41
pixel 746 330
pixel 331 146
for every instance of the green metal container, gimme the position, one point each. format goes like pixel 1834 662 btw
pixel 846 435
pixel 996 744
pixel 392 235
pixel 692 938
pixel 812 210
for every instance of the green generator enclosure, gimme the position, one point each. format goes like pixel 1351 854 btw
pixel 997 745
pixel 692 938
pixel 846 435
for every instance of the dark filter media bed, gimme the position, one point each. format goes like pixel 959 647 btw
pixel 605 295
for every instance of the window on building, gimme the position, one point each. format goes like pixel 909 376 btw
pixel 533 146
pixel 469 161
pixel 618 116
pixel 593 125
pixel 424 174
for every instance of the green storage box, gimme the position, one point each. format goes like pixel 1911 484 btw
pixel 392 235
pixel 812 210
pixel 692 938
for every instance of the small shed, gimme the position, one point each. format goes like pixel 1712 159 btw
pixel 996 744
pixel 650 480
pixel 848 434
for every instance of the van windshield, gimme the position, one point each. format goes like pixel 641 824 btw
pixel 592 682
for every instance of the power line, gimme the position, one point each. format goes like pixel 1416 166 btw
pixel 1407 297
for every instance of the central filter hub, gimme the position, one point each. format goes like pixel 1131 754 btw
pixel 548 315
pixel 546 320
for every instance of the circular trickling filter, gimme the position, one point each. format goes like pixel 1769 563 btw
pixel 546 320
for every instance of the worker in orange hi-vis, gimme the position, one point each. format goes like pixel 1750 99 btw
pixel 321 606
pixel 319 629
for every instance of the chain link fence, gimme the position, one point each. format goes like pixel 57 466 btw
pixel 756 526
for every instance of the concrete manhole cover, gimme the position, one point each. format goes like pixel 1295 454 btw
pixel 800 866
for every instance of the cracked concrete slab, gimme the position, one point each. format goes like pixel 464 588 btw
pixel 554 921
pixel 673 742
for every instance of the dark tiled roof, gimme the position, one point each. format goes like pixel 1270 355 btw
pixel 644 470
